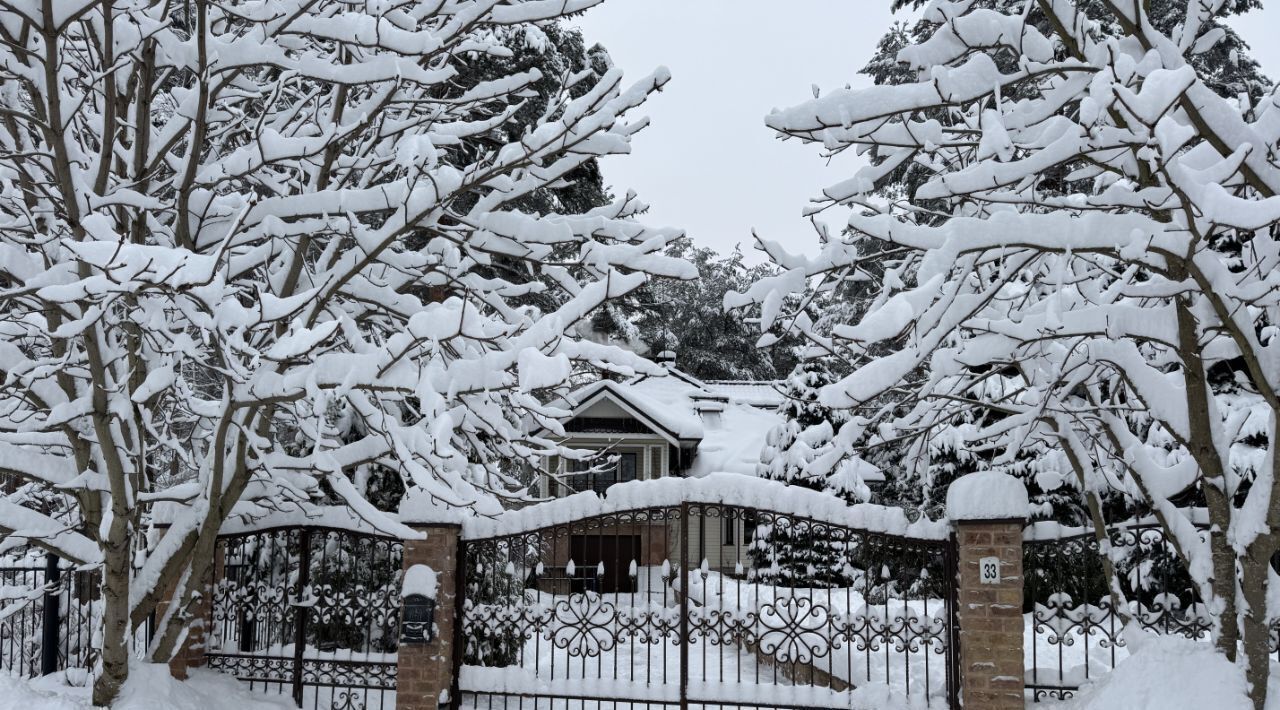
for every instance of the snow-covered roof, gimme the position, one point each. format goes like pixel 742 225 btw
pixel 726 422
pixel 668 409
pixel 757 393
pixel 732 440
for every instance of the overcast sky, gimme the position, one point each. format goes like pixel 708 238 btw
pixel 707 164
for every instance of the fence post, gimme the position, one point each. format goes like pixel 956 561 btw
pixel 684 605
pixel 301 610
pixel 425 673
pixel 988 510
pixel 51 619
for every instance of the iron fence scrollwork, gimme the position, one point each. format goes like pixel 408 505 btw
pixel 1076 631
pixel 309 612
pixel 680 606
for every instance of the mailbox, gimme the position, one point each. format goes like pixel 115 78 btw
pixel 418 619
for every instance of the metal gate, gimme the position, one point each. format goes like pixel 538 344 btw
pixel 310 612
pixel 704 606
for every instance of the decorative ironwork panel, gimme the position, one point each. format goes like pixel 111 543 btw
pixel 311 612
pixel 1076 629
pixel 656 606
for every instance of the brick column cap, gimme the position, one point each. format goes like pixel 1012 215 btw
pixel 987 496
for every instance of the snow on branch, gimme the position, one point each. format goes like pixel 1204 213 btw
pixel 275 251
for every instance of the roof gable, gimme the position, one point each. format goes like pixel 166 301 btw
pixel 667 425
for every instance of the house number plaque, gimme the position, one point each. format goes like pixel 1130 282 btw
pixel 989 570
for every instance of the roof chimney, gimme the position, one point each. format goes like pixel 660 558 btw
pixel 667 358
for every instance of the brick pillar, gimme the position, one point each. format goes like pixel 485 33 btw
pixel 190 653
pixel 988 509
pixel 990 615
pixel 425 673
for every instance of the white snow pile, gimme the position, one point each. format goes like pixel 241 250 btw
pixel 420 579
pixel 150 687
pixel 1165 673
pixel 987 495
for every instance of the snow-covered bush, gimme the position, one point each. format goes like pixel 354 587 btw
pixel 1085 267
pixel 226 224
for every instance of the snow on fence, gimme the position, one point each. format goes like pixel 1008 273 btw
pixel 50 617
pixel 1073 633
pixel 727 489
pixel 310 612
pixel 584 599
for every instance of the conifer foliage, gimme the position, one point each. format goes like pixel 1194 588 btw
pixel 800 452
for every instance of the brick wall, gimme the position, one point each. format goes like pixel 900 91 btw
pixel 426 670
pixel 991 653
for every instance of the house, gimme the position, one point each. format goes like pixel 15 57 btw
pixel 660 425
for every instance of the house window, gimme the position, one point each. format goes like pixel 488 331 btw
pixel 599 481
pixel 731 525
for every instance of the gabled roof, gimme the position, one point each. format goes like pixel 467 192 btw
pixel 670 423
pixel 727 423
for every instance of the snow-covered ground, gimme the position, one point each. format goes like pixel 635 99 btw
pixel 149 688
pixel 1168 673
pixel 1163 673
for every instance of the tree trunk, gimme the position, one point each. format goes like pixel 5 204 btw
pixel 115 614
pixel 172 627
pixel 1224 571
pixel 1202 420
pixel 1257 633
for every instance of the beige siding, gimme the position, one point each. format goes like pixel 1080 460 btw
pixel 707 542
pixel 650 457
pixel 605 408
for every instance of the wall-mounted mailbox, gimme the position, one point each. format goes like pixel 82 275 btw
pixel 418 619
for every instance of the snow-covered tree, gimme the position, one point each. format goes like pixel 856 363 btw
pixel 1102 274
pixel 799 452
pixel 226 226
pixel 687 317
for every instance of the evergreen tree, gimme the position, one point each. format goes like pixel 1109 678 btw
pixel 798 452
pixel 689 319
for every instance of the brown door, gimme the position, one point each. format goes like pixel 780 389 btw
pixel 616 552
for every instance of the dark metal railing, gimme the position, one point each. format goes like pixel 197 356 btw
pixel 52 616
pixel 309 612
pixel 682 606
pixel 1076 629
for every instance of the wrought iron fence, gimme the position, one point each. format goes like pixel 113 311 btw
pixel 687 606
pixel 51 617
pixel 1076 631
pixel 310 612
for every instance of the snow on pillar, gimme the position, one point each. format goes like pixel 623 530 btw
pixel 424 676
pixel 988 510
